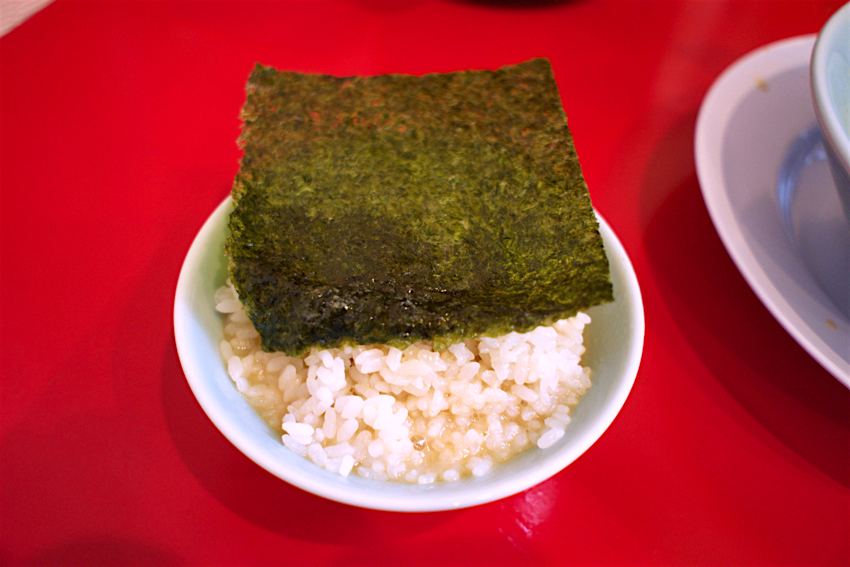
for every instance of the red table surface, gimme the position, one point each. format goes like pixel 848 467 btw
pixel 119 122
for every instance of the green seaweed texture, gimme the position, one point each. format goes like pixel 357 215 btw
pixel 398 208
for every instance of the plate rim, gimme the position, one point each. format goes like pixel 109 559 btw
pixel 718 106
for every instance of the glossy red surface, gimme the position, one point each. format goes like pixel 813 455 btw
pixel 118 124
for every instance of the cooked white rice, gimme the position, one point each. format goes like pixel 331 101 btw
pixel 412 415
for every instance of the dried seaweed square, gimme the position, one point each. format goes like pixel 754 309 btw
pixel 398 208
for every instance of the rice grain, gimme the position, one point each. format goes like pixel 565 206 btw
pixel 412 415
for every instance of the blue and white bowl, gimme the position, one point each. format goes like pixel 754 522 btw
pixel 830 80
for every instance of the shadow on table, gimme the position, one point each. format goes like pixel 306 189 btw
pixel 737 339
pixel 258 496
pixel 104 551
pixel 517 4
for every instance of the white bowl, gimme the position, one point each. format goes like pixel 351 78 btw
pixel 830 81
pixel 614 342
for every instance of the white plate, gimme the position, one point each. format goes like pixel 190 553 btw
pixel 614 342
pixel 794 253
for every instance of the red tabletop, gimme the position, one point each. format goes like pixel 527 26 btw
pixel 118 124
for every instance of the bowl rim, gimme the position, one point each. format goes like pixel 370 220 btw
pixel 827 116
pixel 412 498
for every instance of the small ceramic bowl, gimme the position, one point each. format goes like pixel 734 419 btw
pixel 614 342
pixel 830 78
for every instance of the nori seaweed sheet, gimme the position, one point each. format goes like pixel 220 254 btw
pixel 398 208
